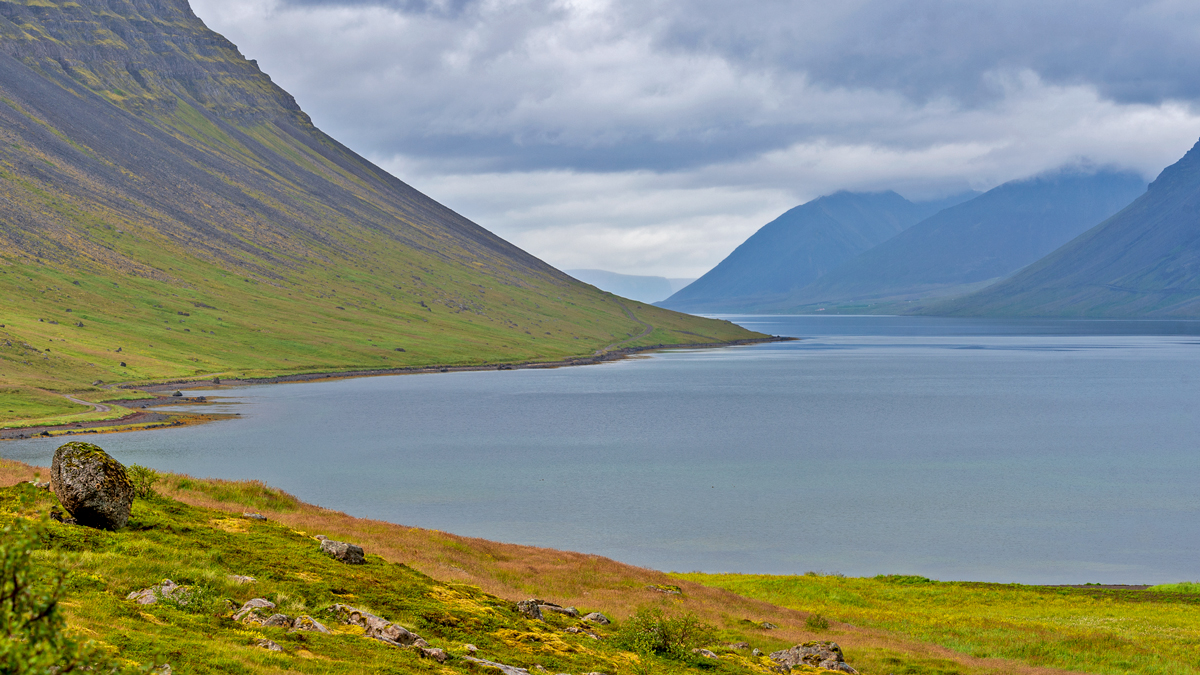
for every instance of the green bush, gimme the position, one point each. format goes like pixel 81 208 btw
pixel 143 479
pixel 650 631
pixel 31 624
pixel 816 622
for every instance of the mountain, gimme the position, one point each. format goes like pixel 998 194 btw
pixel 166 212
pixel 635 287
pixel 1142 262
pixel 973 243
pixel 798 247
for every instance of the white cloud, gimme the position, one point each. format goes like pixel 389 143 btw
pixel 652 137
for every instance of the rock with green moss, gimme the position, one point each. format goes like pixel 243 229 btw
pixel 92 486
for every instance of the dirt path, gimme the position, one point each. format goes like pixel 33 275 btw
pixel 648 329
pixel 98 407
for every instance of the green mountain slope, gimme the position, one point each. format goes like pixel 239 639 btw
pixel 166 211
pixel 970 245
pixel 1142 262
pixel 798 247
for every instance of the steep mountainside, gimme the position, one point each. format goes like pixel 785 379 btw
pixel 636 287
pixel 1142 262
pixel 797 248
pixel 166 211
pixel 986 238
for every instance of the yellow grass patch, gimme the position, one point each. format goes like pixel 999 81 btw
pixel 230 525
pixel 534 642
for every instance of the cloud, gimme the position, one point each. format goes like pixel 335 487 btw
pixel 652 136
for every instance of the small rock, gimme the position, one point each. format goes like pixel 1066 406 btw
pixel 567 611
pixel 756 652
pixel 92 486
pixel 662 588
pixel 178 393
pixel 56 514
pixel 705 653
pixel 530 609
pixel 40 486
pixel 253 608
pixel 240 579
pixel 738 645
pixel 597 618
pixel 165 589
pixel 164 669
pixel 506 669
pixel 278 620
pixel 767 625
pixel 470 649
pixel 351 554
pixel 267 644
pixel 434 653
pixel 827 655
pixel 254 516
pixel 307 623
pixel 573 629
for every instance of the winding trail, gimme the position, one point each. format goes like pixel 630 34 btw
pixel 649 328
pixel 98 407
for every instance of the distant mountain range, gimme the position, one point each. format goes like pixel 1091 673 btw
pixel 799 247
pixel 1142 262
pixel 634 287
pixel 969 244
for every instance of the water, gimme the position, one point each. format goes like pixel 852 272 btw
pixel 1034 452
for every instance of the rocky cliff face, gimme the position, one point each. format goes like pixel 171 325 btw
pixel 142 55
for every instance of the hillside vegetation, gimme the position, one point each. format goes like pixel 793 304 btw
pixel 451 590
pixel 170 213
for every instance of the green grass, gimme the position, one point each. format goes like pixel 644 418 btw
pixel 201 548
pixel 1182 587
pixel 1089 630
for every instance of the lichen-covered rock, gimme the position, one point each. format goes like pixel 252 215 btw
pixel 530 609
pixel 502 667
pixel 434 653
pixel 705 653
pixel 351 554
pixel 597 618
pixel 166 589
pixel 268 645
pixel 827 655
pixel 307 623
pixel 558 609
pixel 277 621
pixel 376 627
pixel 253 611
pixel 92 486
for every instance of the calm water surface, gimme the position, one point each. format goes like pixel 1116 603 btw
pixel 1037 452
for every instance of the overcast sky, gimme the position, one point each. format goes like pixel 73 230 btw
pixel 654 136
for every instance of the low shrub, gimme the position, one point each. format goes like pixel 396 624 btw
pixel 650 631
pixel 143 479
pixel 816 622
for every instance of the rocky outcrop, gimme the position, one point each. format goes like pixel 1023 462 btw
pixel 377 627
pixel 351 554
pixel 307 623
pixel 254 611
pixel 166 589
pixel 268 645
pixel 558 609
pixel 530 609
pixel 92 486
pixel 503 668
pixel 827 655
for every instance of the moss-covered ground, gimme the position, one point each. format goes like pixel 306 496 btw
pixel 1093 630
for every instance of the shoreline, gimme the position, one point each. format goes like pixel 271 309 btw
pixel 144 421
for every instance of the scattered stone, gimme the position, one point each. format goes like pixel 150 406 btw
pixel 530 609
pixel 573 629
pixel 56 514
pixel 177 393
pixel 663 588
pixel 767 625
pixel 567 611
pixel 164 669
pixel 597 618
pixel 827 655
pixel 378 628
pixel 254 516
pixel 705 653
pixel 278 621
pixel 507 670
pixel 756 652
pixel 470 649
pixel 165 589
pixel 351 554
pixel 40 486
pixel 738 645
pixel 92 486
pixel 434 653
pixel 306 623
pixel 267 644
pixel 241 579
pixel 253 609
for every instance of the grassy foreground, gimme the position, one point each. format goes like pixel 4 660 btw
pixel 1153 632
pixel 451 590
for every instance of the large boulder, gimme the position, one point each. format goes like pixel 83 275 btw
pixel 377 627
pixel 351 554
pixel 827 655
pixel 92 486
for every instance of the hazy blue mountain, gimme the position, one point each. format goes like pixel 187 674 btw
pixel 800 246
pixel 634 287
pixel 1142 262
pixel 967 246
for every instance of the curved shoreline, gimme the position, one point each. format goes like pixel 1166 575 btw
pixel 142 420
